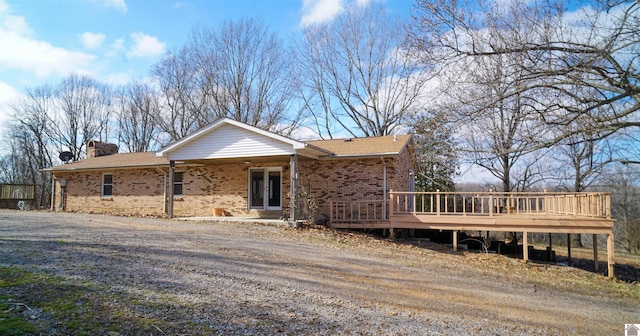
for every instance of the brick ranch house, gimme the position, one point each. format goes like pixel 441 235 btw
pixel 233 169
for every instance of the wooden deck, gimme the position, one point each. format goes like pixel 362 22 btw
pixel 585 213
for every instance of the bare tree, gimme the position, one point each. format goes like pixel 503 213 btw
pixel 238 70
pixel 498 130
pixel 174 76
pixel 357 77
pixel 82 113
pixel 138 105
pixel 586 60
pixel 622 182
pixel 247 73
pixel 436 152
pixel 30 146
pixel 584 157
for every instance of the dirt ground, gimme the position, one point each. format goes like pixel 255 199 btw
pixel 249 278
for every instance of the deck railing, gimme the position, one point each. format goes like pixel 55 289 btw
pixel 588 204
pixel 357 211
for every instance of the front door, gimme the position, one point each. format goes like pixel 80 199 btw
pixel 265 188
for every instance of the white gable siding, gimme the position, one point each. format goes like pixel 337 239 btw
pixel 229 141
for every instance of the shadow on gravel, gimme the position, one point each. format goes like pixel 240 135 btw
pixel 62 288
pixel 625 272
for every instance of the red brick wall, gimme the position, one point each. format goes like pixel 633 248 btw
pixel 222 186
pixel 353 179
pixel 140 192
pixel 137 192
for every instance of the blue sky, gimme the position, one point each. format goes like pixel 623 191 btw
pixel 115 41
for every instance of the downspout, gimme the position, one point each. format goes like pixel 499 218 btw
pixel 164 190
pixel 384 188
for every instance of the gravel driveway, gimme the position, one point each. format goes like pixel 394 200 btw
pixel 247 278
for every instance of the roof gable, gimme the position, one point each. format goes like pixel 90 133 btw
pixel 228 138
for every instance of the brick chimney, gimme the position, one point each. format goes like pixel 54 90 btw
pixel 97 148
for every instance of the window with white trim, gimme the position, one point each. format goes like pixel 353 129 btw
pixel 107 185
pixel 177 184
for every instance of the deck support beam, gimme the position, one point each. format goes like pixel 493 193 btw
pixel 455 241
pixel 525 246
pixel 569 247
pixel 610 255
pixel 596 267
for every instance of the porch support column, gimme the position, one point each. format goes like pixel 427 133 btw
pixel 53 193
pixel 384 189
pixel 610 255
pixel 293 180
pixel 172 167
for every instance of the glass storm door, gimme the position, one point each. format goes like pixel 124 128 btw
pixel 265 188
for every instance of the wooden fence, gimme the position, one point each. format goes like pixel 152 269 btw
pixel 17 192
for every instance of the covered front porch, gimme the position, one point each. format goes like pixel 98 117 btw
pixel 525 212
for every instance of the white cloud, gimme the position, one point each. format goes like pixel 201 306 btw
pixel 8 96
pixel 21 50
pixel 318 11
pixel 119 78
pixel 17 24
pixel 92 40
pixel 363 3
pixel 145 45
pixel 117 4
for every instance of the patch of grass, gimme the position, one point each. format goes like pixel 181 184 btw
pixel 34 304
pixel 11 323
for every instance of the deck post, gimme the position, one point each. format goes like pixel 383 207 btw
pixel 569 247
pixel 490 203
pixel 525 246
pixel 330 211
pixel 455 241
pixel 610 255
pixel 595 253
pixel 546 203
pixel 550 247
pixel 390 206
pixel 437 202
